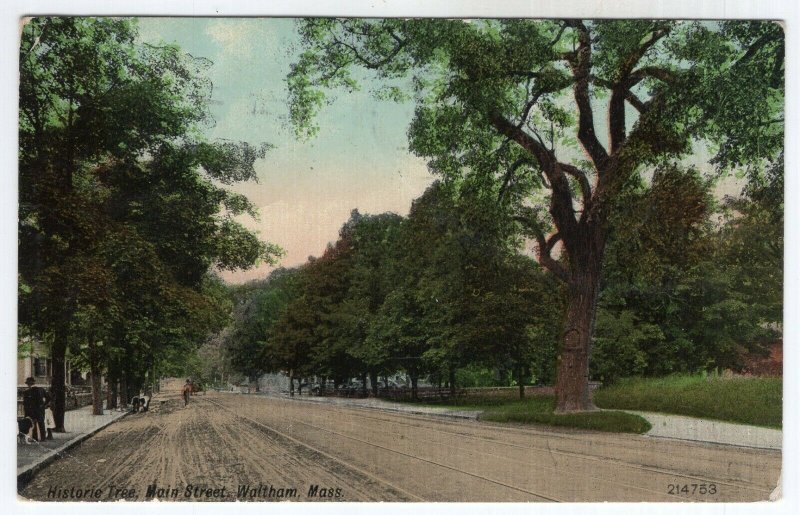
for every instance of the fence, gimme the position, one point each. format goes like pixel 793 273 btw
pixel 76 397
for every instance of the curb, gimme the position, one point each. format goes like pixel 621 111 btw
pixel 25 475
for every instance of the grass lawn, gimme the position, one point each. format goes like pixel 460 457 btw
pixel 745 400
pixel 539 410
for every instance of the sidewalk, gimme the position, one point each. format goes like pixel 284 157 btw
pixel 711 431
pixel 80 424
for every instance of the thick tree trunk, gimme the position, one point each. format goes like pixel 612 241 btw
pixel 520 382
pixel 452 381
pixel 572 382
pixel 414 378
pixel 58 391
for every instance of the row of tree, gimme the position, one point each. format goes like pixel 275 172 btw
pixel 121 212
pixel 447 289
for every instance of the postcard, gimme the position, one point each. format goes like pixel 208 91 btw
pixel 391 259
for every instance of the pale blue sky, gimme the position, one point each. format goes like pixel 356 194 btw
pixel 306 189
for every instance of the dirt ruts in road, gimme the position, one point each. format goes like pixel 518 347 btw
pixel 226 447
pixel 205 449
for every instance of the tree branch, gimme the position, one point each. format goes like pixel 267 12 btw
pixel 655 72
pixel 561 207
pixel 510 174
pixel 636 102
pixel 544 248
pixel 581 63
pixel 621 88
pixel 583 182
pixel 372 65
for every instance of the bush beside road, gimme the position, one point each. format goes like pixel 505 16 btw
pixel 539 410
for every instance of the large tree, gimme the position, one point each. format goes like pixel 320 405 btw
pixel 511 100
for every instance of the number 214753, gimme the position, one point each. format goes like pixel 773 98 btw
pixel 692 488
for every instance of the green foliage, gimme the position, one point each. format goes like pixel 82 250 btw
pixel 682 294
pixel 618 346
pixel 754 401
pixel 119 217
pixel 607 421
pixel 472 376
pixel 539 410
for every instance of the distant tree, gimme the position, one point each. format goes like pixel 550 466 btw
pixel 688 287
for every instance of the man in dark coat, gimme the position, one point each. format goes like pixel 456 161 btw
pixel 34 401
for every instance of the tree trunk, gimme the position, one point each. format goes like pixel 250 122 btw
pixel 58 352
pixel 97 383
pixel 373 380
pixel 364 384
pixel 572 382
pixel 112 394
pixel 452 380
pixel 520 382
pixel 123 391
pixel 414 378
pixel 291 383
pixel 109 403
pixel 97 391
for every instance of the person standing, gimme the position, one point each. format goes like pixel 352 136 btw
pixel 34 401
pixel 49 420
pixel 187 391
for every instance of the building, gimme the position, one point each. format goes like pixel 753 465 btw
pixel 35 362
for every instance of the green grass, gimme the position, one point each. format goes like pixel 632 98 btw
pixel 539 410
pixel 744 400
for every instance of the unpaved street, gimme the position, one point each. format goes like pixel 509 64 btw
pixel 227 447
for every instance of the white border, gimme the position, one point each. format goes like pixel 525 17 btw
pixel 784 10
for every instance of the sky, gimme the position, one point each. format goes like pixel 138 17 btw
pixel 306 190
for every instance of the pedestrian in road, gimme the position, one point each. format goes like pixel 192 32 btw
pixel 187 391
pixel 34 402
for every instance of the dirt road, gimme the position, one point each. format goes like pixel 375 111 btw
pixel 226 447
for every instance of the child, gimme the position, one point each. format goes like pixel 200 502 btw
pixel 49 422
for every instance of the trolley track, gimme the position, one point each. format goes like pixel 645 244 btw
pixel 381 480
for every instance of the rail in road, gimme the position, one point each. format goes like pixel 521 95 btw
pixel 538 495
pixel 553 435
